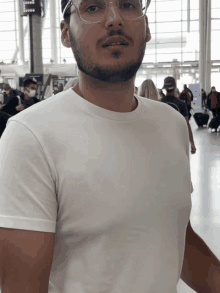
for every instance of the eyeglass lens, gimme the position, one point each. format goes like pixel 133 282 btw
pixel 94 10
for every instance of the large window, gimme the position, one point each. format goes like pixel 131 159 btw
pixel 175 32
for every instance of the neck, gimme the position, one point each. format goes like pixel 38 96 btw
pixel 170 94
pixel 114 97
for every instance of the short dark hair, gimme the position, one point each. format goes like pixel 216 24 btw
pixel 28 81
pixel 67 15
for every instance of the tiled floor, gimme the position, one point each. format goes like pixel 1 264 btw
pixel 205 174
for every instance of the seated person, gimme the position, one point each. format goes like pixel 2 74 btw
pixel 3 121
pixel 9 93
pixel 15 105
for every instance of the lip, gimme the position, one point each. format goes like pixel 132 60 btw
pixel 115 40
pixel 114 47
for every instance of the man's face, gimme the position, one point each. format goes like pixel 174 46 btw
pixel 108 64
pixel 8 89
pixel 30 88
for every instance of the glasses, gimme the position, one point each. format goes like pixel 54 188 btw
pixel 93 11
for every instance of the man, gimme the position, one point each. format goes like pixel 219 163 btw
pixel 9 93
pixel 3 121
pixel 180 106
pixel 213 101
pixel 16 105
pixel 189 91
pixel 102 195
pixel 185 96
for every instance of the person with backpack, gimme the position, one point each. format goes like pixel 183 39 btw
pixel 19 103
pixel 186 98
pixel 189 91
pixel 177 104
pixel 213 101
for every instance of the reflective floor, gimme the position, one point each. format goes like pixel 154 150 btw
pixel 205 174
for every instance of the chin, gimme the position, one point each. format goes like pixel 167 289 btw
pixel 110 73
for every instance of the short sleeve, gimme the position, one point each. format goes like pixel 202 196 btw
pixel 27 189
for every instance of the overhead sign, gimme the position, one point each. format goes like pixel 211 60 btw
pixel 36 77
pixel 28 7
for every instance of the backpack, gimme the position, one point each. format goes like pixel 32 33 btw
pixel 183 97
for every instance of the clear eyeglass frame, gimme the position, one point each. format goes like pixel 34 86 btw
pixel 70 3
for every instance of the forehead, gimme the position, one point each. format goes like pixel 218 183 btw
pixel 32 85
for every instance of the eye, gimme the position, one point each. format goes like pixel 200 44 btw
pixel 92 10
pixel 127 4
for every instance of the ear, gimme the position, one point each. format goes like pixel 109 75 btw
pixel 64 34
pixel 148 34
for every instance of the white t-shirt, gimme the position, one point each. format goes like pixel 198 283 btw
pixel 114 187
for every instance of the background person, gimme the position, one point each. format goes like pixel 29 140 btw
pixel 9 93
pixel 213 101
pixel 3 121
pixel 189 91
pixel 27 99
pixel 180 106
pixel 185 96
pixel 148 90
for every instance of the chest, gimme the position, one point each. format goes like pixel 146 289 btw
pixel 110 176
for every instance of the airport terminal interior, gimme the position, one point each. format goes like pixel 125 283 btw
pixel 184 44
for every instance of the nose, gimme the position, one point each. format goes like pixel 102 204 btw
pixel 113 16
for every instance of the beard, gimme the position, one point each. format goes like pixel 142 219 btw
pixel 115 74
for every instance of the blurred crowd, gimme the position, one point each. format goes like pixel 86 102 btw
pixel 13 101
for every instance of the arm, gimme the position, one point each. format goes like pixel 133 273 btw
pixel 10 107
pixel 201 268
pixel 25 260
pixel 190 132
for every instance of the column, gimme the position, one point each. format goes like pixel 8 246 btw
pixel 37 44
pixel 21 36
pixel 53 30
pixel 208 49
pixel 202 55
